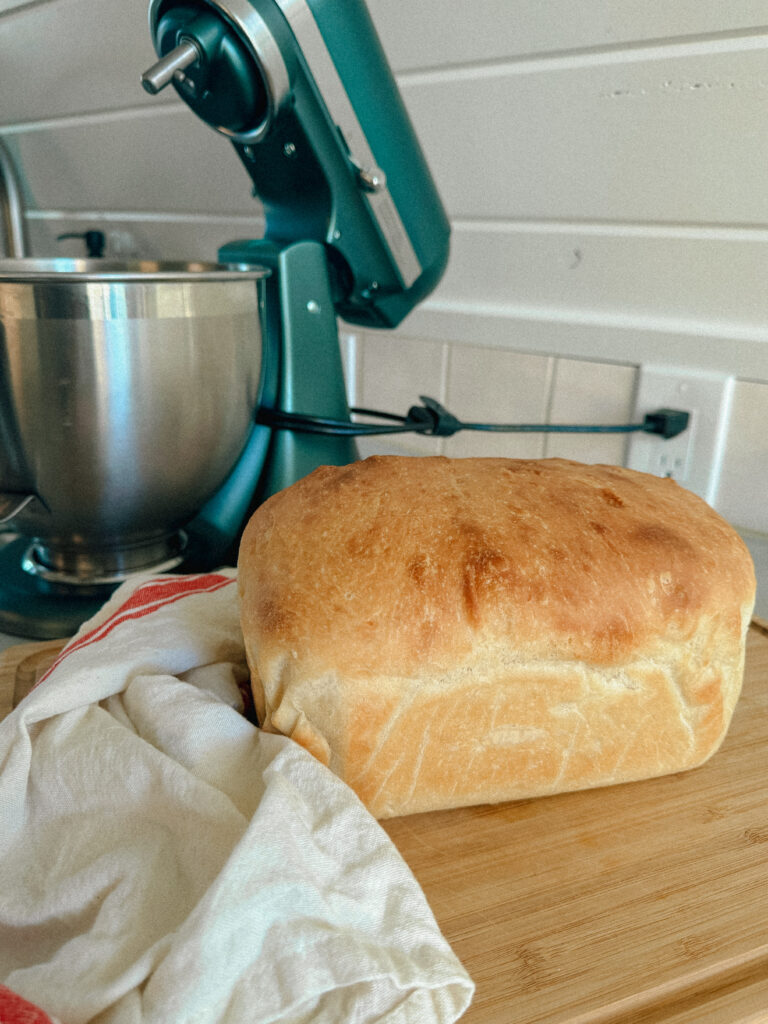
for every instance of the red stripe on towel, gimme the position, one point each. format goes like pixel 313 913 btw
pixel 15 1010
pixel 147 598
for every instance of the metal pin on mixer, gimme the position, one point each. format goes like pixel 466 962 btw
pixel 173 64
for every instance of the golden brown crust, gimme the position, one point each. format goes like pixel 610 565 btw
pixel 457 631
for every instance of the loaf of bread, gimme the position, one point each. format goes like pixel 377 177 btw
pixel 445 632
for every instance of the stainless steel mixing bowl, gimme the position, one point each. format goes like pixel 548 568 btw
pixel 127 393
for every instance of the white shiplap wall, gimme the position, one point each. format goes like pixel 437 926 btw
pixel 604 163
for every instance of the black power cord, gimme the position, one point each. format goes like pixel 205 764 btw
pixel 432 419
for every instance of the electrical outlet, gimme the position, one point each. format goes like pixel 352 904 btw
pixel 694 457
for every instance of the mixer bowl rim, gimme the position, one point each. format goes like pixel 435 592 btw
pixel 61 270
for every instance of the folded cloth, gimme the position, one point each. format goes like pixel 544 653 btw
pixel 163 860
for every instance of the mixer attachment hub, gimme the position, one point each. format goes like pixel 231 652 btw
pixel 230 81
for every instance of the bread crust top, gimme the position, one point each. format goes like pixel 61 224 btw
pixel 398 565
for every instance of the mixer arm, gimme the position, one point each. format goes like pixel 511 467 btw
pixel 304 92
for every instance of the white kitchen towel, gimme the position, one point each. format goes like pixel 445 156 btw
pixel 163 861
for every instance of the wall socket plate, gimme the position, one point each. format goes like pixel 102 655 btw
pixel 694 457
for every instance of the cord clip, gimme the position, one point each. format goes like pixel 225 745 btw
pixel 433 419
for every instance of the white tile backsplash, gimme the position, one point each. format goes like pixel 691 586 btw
pixel 393 372
pixel 590 393
pixel 488 385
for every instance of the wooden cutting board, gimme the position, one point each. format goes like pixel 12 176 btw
pixel 637 904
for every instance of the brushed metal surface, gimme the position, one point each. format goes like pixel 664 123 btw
pixel 127 392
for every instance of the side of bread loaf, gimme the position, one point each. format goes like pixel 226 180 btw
pixel 448 632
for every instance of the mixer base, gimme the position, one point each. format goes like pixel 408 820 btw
pixel 28 611
pixel 36 609
pixel 98 574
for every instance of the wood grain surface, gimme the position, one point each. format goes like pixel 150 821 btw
pixel 640 904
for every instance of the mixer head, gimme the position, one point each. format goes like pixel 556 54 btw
pixel 304 92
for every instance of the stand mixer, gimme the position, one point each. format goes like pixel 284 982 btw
pixel 354 229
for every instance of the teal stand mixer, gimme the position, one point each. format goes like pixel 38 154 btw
pixel 355 231
pixel 354 225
